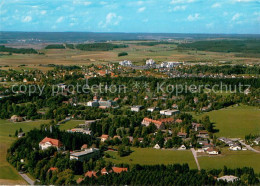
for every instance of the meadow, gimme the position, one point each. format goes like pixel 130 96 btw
pixel 8 174
pixel 150 156
pixel 235 121
pixel 70 124
pixel 231 159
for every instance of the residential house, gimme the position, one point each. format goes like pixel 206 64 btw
pixel 152 109
pixel 104 137
pixel 212 151
pixel 91 174
pixel 197 127
pixel 182 134
pixel 257 141
pixel 203 134
pixel 85 155
pixel 119 169
pixel 16 118
pixel 20 134
pixel 136 108
pixel 228 178
pixel 50 142
pixel 235 147
pixel 80 130
pixel 182 147
pixel 157 146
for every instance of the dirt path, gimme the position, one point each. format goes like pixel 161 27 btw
pixel 195 157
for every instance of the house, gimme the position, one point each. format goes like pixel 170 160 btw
pixel 104 137
pixel 197 127
pixel 16 118
pixel 119 169
pixel 156 146
pixel 136 108
pixel 169 112
pixel 178 121
pixel 118 137
pixel 101 103
pixel 87 154
pixel 152 109
pixel 203 134
pixel 257 141
pixel 80 130
pixel 104 171
pixel 160 123
pixel 182 147
pixel 50 142
pixel 212 151
pixel 206 146
pixel 53 169
pixel 182 134
pixel 84 147
pixel 235 147
pixel 175 106
pixel 150 62
pixel 125 63
pixel 91 174
pixel 228 178
pixel 20 134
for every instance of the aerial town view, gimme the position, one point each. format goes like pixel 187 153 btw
pixel 133 92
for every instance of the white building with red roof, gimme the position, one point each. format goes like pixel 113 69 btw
pixel 50 142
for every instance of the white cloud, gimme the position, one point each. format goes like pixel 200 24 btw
pixel 141 9
pixel 27 19
pixel 193 17
pixel 245 1
pixel 216 5
pixel 235 17
pixel 80 2
pixel 43 12
pixel 181 1
pixel 60 19
pixel 210 25
pixel 111 19
pixel 176 8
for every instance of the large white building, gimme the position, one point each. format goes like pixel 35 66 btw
pixel 170 64
pixel 125 63
pixel 150 62
pixel 87 154
pixel 169 112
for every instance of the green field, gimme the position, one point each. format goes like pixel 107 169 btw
pixel 236 121
pixel 232 159
pixel 150 156
pixel 8 172
pixel 71 124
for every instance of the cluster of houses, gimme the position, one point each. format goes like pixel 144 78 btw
pixel 233 144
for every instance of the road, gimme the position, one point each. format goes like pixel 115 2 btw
pixel 195 157
pixel 249 147
pixel 27 179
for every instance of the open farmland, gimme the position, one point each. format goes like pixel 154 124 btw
pixel 236 121
pixel 8 174
pixel 150 156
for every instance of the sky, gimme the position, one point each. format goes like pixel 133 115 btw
pixel 150 16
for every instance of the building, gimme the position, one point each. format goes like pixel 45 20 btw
pixel 101 103
pixel 160 123
pixel 16 118
pixel 235 147
pixel 104 137
pixel 182 147
pixel 50 142
pixel 257 141
pixel 20 134
pixel 197 127
pixel 85 155
pixel 228 178
pixel 80 130
pixel 212 151
pixel 119 169
pixel 125 63
pixel 182 134
pixel 169 112
pixel 156 146
pixel 170 64
pixel 91 174
pixel 203 134
pixel 136 108
pixel 150 62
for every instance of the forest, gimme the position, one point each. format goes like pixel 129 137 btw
pixel 17 50
pixel 99 46
pixel 55 46
pixel 242 46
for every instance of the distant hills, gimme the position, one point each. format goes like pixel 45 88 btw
pixel 79 37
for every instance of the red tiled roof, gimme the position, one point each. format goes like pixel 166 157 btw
pixel 119 169
pixel 104 136
pixel 54 142
pixel 104 171
pixel 178 121
pixel 91 174
pixel 182 134
pixel 53 169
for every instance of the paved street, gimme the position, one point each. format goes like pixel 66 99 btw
pixel 249 147
pixel 27 179
pixel 195 157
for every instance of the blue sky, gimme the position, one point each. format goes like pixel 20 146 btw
pixel 163 16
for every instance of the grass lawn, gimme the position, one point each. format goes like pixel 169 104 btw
pixel 232 159
pixel 236 121
pixel 150 156
pixel 71 124
pixel 8 174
